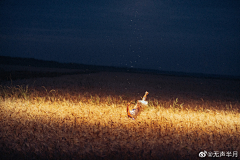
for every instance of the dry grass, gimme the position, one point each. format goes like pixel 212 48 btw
pixel 61 123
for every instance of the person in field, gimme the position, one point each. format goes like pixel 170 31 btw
pixel 138 107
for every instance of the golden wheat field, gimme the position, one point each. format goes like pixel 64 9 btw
pixel 84 117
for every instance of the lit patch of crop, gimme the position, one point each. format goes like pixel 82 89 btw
pixel 90 126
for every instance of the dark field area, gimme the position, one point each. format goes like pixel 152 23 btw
pixel 166 85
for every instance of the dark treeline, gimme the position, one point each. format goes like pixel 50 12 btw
pixel 91 69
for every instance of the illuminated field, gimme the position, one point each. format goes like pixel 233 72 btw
pixel 89 121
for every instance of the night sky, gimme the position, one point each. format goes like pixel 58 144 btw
pixel 199 36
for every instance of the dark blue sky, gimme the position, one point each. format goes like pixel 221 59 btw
pixel 200 36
